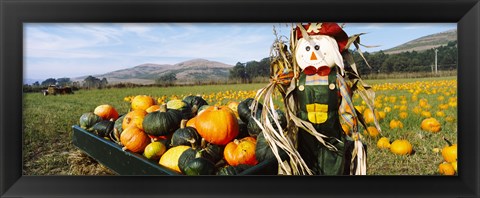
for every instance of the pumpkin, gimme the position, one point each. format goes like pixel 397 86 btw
pixel 199 166
pixel 233 105
pixel 242 130
pixel 217 125
pixel 106 112
pixel 244 111
pixel 431 125
pixel 117 129
pixel 449 153
pixel 181 106
pixel 396 124
pixel 263 150
pixel 186 136
pixel 254 129
pixel 446 168
pixel 134 139
pixel 403 115
pixel 87 120
pixel 134 117
pixel 241 152
pixel 202 109
pixel 383 143
pixel 191 122
pixel 401 147
pixel 187 156
pixel 142 102
pixel 103 128
pixel 233 170
pixel 162 122
pixel 154 150
pixel 195 103
pixel 170 158
pixel 153 108
pixel 369 116
pixel 371 131
pixel 454 165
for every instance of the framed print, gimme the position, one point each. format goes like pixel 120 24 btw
pixel 40 151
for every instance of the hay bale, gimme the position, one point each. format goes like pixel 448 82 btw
pixel 82 164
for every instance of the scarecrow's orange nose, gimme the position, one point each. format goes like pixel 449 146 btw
pixel 313 57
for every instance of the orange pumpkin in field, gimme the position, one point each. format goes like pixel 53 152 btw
pixel 106 112
pixel 191 122
pixel 134 118
pixel 134 139
pixel 431 125
pixel 241 152
pixel 217 125
pixel 142 102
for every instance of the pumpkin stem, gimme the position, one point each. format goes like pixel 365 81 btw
pixel 203 143
pixel 215 108
pixel 183 123
pixel 163 108
pixel 446 140
pixel 192 142
pixel 195 109
pixel 236 141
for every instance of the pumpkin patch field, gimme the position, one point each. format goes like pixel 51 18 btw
pixel 418 119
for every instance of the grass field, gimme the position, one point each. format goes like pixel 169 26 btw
pixel 47 148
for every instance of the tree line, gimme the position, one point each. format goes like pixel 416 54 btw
pixel 89 82
pixel 380 62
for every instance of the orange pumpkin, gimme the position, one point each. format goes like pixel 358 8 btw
pixel 383 143
pixel 446 168
pixel 191 122
pixel 153 108
pixel 241 152
pixel 369 116
pixel 396 124
pixel 142 102
pixel 134 139
pixel 134 117
pixel 371 131
pixel 431 125
pixel 106 112
pixel 449 153
pixel 217 125
pixel 401 147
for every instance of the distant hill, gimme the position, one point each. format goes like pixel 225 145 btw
pixel 188 71
pixel 425 42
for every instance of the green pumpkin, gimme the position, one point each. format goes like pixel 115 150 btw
pixel 187 156
pixel 162 122
pixel 263 151
pixel 87 120
pixel 254 129
pixel 200 166
pixel 242 130
pixel 244 111
pixel 117 129
pixel 181 106
pixel 213 152
pixel 103 128
pixel 233 170
pixel 186 136
pixel 195 103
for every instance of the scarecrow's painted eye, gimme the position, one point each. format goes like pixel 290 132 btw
pixel 307 48
pixel 317 47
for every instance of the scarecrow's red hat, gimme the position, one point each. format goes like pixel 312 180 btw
pixel 329 29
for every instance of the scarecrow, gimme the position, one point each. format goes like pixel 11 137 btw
pixel 317 88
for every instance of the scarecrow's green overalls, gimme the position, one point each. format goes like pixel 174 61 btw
pixel 318 102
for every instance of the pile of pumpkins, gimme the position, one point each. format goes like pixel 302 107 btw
pixel 187 136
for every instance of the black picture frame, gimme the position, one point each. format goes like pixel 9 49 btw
pixel 13 13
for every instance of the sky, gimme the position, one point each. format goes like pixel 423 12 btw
pixel 57 50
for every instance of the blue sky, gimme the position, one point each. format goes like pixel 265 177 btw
pixel 54 50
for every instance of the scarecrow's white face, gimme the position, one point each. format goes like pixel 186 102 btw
pixel 319 51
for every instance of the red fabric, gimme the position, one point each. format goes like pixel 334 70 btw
pixel 329 29
pixel 321 71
